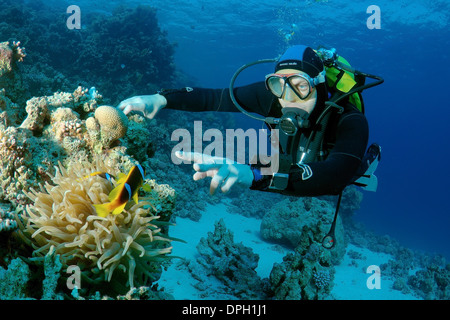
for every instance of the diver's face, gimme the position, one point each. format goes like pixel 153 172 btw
pixel 291 100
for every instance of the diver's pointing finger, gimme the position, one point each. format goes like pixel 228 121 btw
pixel 203 167
pixel 228 183
pixel 127 109
pixel 201 175
pixel 121 106
pixel 218 178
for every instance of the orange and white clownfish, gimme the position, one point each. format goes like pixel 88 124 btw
pixel 127 188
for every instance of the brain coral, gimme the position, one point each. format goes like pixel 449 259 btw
pixel 113 123
pixel 128 246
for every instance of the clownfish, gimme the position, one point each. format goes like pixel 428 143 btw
pixel 127 188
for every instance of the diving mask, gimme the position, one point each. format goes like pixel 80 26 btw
pixel 300 83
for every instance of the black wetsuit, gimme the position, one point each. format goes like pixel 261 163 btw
pixel 345 140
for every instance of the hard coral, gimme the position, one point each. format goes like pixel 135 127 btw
pixel 62 217
pixel 7 221
pixel 15 162
pixel 113 123
pixel 10 113
pixel 9 55
pixel 38 114
pixel 297 222
pixel 231 263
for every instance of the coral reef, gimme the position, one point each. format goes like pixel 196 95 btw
pixel 62 218
pixel 19 280
pixel 424 275
pixel 7 220
pixel 52 269
pixel 233 264
pixel 124 44
pixel 38 114
pixel 52 129
pixel 9 56
pixel 11 114
pixel 303 276
pixel 321 278
pixel 145 293
pixel 15 162
pixel 432 282
pixel 298 222
pixel 112 122
pixel 13 280
pixel 42 126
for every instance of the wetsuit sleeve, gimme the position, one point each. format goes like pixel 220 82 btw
pixel 337 171
pixel 253 98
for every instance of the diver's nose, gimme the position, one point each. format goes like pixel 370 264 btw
pixel 289 95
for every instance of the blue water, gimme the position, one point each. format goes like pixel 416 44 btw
pixel 408 114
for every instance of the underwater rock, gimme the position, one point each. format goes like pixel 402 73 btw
pixel 307 276
pixel 232 263
pixel 297 222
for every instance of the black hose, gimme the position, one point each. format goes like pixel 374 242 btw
pixel 233 79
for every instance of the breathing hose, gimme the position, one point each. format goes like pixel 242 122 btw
pixel 233 98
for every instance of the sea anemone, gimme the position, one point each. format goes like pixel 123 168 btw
pixel 62 218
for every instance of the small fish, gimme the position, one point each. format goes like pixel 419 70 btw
pixel 127 188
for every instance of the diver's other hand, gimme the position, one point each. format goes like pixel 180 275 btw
pixel 149 105
pixel 224 172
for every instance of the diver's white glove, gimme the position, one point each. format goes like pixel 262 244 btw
pixel 224 172
pixel 149 105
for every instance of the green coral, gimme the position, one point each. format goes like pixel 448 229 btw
pixel 13 280
pixel 52 269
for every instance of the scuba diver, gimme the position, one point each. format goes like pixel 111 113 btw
pixel 313 98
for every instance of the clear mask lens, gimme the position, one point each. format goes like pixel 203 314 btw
pixel 279 84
